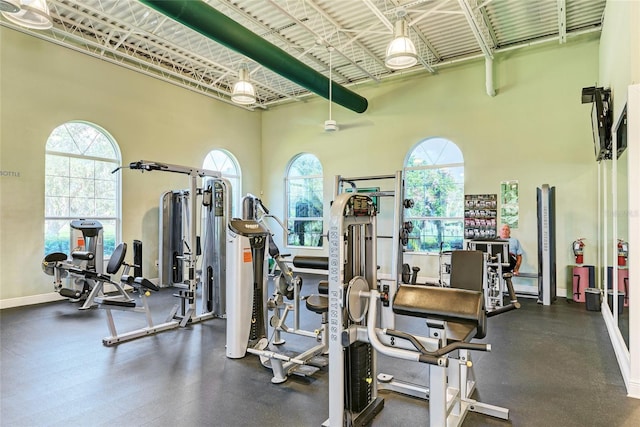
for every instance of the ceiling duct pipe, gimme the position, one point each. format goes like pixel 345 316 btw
pixel 206 20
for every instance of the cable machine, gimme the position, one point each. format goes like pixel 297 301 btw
pixel 217 208
pixel 401 229
pixel 454 316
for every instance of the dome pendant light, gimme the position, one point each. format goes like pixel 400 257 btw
pixel 243 91
pixel 31 13
pixel 401 52
pixel 10 6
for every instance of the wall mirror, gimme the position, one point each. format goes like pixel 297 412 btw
pixel 621 215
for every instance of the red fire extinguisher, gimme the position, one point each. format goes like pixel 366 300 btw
pixel 578 250
pixel 623 253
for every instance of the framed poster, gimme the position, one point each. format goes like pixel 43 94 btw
pixel 509 208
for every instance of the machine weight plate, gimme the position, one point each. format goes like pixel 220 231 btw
pixel 357 306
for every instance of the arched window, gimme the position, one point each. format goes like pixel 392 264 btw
pixel 224 162
pixel 434 179
pixel 303 184
pixel 79 159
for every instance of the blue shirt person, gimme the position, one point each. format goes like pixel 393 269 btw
pixel 515 249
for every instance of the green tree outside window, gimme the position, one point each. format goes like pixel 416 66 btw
pixel 79 158
pixel 434 180
pixel 304 201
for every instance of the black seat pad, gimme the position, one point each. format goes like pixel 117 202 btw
pixel 314 262
pixel 83 255
pixel 323 287
pixel 460 306
pixel 317 303
pixel 55 257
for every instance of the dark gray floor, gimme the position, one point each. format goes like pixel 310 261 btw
pixel 551 366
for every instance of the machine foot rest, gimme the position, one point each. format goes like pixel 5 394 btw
pixel 304 370
pixel 70 293
pixel 145 283
pixel 118 303
pixel 318 361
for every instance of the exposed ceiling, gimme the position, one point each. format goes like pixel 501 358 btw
pixel 131 34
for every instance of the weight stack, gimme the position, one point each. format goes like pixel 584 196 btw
pixel 358 366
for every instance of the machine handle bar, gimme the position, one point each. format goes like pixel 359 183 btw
pixel 432 357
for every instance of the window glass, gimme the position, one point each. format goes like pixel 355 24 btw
pixel 79 159
pixel 304 201
pixel 434 179
pixel 224 162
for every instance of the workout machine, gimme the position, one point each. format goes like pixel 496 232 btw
pixel 183 264
pixel 173 226
pixel 496 273
pixel 215 215
pixel 247 324
pixel 454 316
pixel 56 264
pixel 88 249
pixel 546 206
pixel 399 272
pixel 86 254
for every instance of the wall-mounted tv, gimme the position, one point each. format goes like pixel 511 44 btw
pixel 601 119
pixel 621 132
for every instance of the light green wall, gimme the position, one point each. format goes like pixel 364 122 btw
pixel 619 55
pixel 43 86
pixel 535 131
pixel 619 67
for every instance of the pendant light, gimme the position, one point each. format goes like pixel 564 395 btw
pixel 243 91
pixel 11 6
pixel 401 52
pixel 31 13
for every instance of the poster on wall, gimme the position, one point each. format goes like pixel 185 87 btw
pixel 509 210
pixel 480 216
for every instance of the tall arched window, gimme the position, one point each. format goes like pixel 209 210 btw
pixel 224 162
pixel 303 184
pixel 434 179
pixel 79 159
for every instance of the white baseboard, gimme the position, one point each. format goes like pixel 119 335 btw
pixel 30 300
pixel 633 389
pixel 621 352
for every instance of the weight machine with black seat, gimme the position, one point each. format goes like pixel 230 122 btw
pixel 496 274
pixel 454 317
pixel 56 265
pixel 247 323
pixel 86 254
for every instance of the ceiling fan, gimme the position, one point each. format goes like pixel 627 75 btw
pixel 330 125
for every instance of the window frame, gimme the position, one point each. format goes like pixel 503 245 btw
pixel 434 165
pixel 117 162
pixel 236 190
pixel 288 178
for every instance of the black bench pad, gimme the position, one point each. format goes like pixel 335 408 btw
pixel 448 304
pixel 83 255
pixel 323 287
pixel 313 262
pixel 317 303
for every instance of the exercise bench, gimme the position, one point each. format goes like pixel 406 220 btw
pixel 454 317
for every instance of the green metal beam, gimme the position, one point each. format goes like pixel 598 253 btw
pixel 206 20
